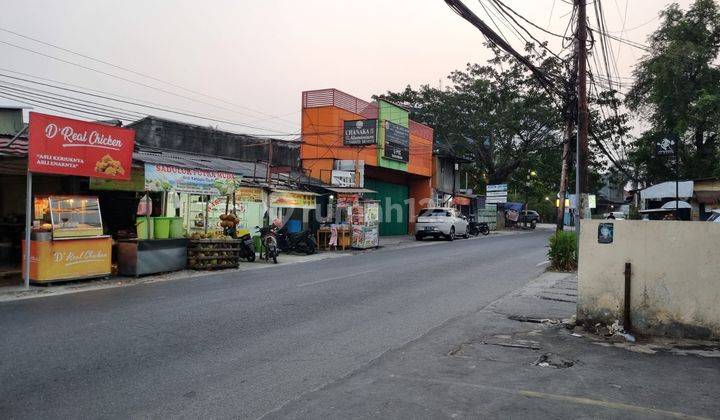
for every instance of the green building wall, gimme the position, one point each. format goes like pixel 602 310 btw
pixel 394 114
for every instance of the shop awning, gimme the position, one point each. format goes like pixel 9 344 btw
pixel 707 197
pixel 667 190
pixel 669 207
pixel 350 190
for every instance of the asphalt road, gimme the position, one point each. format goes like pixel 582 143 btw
pixel 243 345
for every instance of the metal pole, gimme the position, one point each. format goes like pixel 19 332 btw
pixel 28 222
pixel 627 321
pixel 677 179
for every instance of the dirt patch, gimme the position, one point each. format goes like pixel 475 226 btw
pixel 553 360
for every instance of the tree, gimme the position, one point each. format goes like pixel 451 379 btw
pixel 677 88
pixel 497 114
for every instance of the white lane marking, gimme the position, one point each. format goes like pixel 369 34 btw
pixel 336 278
pixel 541 263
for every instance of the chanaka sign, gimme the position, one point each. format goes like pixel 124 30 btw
pixel 71 147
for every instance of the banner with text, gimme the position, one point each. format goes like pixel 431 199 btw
pixel 192 181
pixel 359 132
pixel 397 141
pixel 66 146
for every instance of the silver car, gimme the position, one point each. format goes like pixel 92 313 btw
pixel 440 222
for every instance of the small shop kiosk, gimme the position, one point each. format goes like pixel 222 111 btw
pixel 67 241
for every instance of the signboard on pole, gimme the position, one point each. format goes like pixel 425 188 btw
pixel 496 200
pixel 65 146
pixel 496 193
pixel 497 187
pixel 193 181
pixel 359 132
pixel 397 141
pixel 666 145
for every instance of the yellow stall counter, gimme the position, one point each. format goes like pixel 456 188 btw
pixel 69 259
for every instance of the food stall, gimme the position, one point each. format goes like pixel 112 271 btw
pixel 64 237
pixel 365 221
pixel 193 201
pixel 67 241
pixel 354 221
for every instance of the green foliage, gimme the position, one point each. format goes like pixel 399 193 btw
pixel 634 214
pixel 563 251
pixel 496 114
pixel 677 89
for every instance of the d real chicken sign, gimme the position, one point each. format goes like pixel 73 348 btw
pixel 71 147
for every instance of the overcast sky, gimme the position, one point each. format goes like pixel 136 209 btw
pixel 258 56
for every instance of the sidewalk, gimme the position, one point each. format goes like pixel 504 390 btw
pixel 515 359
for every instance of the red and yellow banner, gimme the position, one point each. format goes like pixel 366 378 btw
pixel 65 146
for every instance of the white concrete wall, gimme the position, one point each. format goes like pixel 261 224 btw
pixel 675 276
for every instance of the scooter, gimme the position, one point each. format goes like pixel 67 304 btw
pixel 476 228
pixel 247 248
pixel 269 247
pixel 303 242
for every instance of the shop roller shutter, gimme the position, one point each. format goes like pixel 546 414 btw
pixel 393 195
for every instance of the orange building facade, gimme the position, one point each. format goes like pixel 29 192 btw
pixel 392 153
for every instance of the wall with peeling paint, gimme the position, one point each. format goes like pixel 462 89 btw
pixel 675 281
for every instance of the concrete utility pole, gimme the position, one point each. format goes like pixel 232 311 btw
pixel 581 175
pixel 570 96
pixel 567 136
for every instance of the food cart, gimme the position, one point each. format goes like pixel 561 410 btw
pixel 67 241
pixel 365 221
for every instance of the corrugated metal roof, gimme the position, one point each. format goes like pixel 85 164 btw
pixel 186 160
pixel 18 147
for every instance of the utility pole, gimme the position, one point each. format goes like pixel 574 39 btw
pixel 570 99
pixel 567 136
pixel 581 175
pixel 269 167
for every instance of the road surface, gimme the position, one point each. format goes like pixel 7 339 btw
pixel 243 345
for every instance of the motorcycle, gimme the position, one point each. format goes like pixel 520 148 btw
pixel 247 248
pixel 477 228
pixel 303 242
pixel 269 247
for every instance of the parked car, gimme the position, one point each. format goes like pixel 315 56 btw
pixel 714 217
pixel 530 217
pixel 440 222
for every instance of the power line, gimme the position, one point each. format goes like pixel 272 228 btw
pixel 156 108
pixel 499 7
pixel 622 40
pixel 463 11
pixel 39 41
pixel 128 80
pixel 503 5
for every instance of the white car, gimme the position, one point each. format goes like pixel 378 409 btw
pixel 440 222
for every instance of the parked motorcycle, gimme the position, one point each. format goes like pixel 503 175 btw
pixel 247 248
pixel 477 228
pixel 269 247
pixel 302 242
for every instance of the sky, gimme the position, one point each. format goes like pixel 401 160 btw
pixel 245 63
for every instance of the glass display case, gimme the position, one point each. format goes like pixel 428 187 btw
pixel 366 220
pixel 75 216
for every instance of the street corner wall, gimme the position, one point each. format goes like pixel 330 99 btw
pixel 675 285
